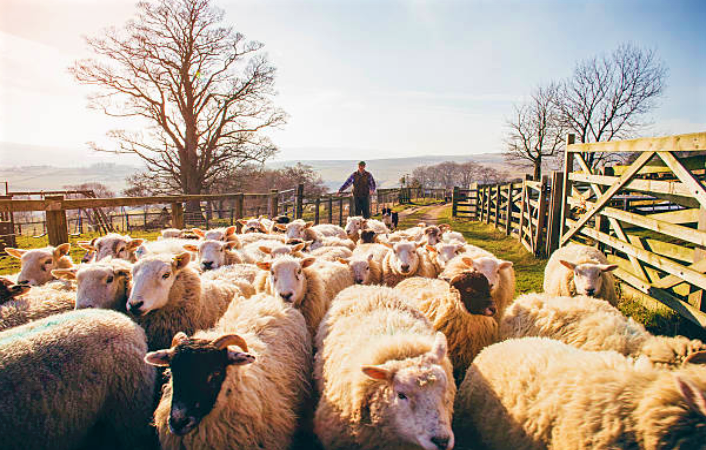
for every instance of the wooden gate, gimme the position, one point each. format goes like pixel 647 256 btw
pixel 649 216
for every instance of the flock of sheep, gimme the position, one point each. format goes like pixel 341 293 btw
pixel 363 337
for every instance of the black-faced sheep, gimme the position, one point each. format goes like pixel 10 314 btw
pixel 580 270
pixel 382 374
pixel 538 393
pixel 64 375
pixel 9 290
pixel 37 264
pixel 237 391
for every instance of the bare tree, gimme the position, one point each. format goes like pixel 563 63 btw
pixel 608 96
pixel 536 132
pixel 203 89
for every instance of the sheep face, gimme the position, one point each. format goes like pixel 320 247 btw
pixel 212 254
pixel 367 237
pixel 445 252
pixel 587 277
pixel 253 226
pixel 153 278
pixel 294 231
pixel 411 399
pixel 474 290
pixel 10 290
pixel 490 267
pixel 405 258
pixel 283 250
pixel 218 234
pixel 198 369
pixel 360 268
pixel 433 234
pixel 113 245
pixel 354 225
pixel 104 286
pixel 37 264
pixel 287 278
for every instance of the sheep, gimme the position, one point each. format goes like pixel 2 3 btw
pixel 301 231
pixel 443 252
pixel 114 245
pixel 538 393
pixel 240 276
pixel 296 282
pixel 331 253
pixel 171 233
pixel 9 290
pixel 432 234
pixel 222 396
pixel 168 296
pixel 249 238
pixel 326 241
pixel 580 270
pixel 500 275
pixel 367 237
pixel 449 236
pixel 365 269
pixel 383 375
pixel 170 246
pixel 215 254
pixel 216 234
pixel 105 284
pixel 64 375
pixel 37 264
pixel 357 223
pixel 39 302
pixel 259 251
pixel 377 250
pixel 260 225
pixel 406 260
pixel 462 309
pixel 593 324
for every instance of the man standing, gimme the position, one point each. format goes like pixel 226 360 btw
pixel 363 188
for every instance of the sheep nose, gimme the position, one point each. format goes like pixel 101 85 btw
pixel 287 296
pixel 181 424
pixel 590 292
pixel 358 281
pixel 23 282
pixel 207 265
pixel 135 307
pixel 405 267
pixel 441 442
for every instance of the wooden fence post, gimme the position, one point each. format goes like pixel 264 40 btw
pixel 57 229
pixel 330 209
pixel 340 211
pixel 178 215
pixel 351 206
pixel 566 185
pixel 300 201
pixel 317 206
pixel 523 206
pixel 473 199
pixel 488 197
pixel 239 210
pixel 541 217
pixel 554 213
pixel 274 202
pixel 508 211
pixel 454 202
pixel 497 205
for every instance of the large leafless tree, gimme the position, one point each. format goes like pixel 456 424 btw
pixel 609 96
pixel 204 91
pixel 536 133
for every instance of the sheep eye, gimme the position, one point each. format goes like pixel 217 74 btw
pixel 109 279
pixel 165 276
pixel 401 396
pixel 299 272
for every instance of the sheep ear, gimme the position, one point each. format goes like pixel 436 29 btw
pixel 62 250
pixel 230 245
pixel 608 267
pixel 65 274
pixel 343 261
pixel 696 358
pixel 377 373
pixel 505 265
pixel 237 358
pixel 15 252
pixel 299 247
pixel 198 232
pixel 694 398
pixel 568 264
pixel 181 260
pixel 263 228
pixel 264 265
pixel 87 246
pixel 306 262
pixel 230 339
pixel 179 338
pixel 242 221
pixel 265 250
pixel 430 248
pixel 133 244
pixel 160 358
pixel 422 224
pixel 280 227
pixel 439 348
pixel 230 230
pixel 309 224
pixel 467 261
pixel 388 245
pixel 370 256
pixel 190 247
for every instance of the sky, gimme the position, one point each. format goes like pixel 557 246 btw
pixel 360 79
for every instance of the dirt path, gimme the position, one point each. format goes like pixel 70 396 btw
pixel 430 214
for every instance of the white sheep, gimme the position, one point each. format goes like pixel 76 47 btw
pixel 301 231
pixel 36 264
pixel 171 233
pixel 215 254
pixel 443 252
pixel 365 269
pixel 580 270
pixel 355 224
pixel 263 250
pixel 406 259
pixel 260 225
pixel 331 253
pixel 241 276
pixel 216 234
pixel 105 284
pixel 113 245
pixel 383 376
pixel 500 275
pixel 168 296
pixel 236 391
pixel 538 393
pixel 65 376
pixel 450 236
pixel 326 241
pixel 593 324
pixel 38 303
pixel 249 238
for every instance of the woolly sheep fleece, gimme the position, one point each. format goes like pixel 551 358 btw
pixel 258 404
pixel 391 276
pixel 467 334
pixel 538 393
pixel 38 303
pixel 559 279
pixel 371 325
pixel 592 324
pixel 64 374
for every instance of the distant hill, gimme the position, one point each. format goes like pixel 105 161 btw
pixel 387 172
